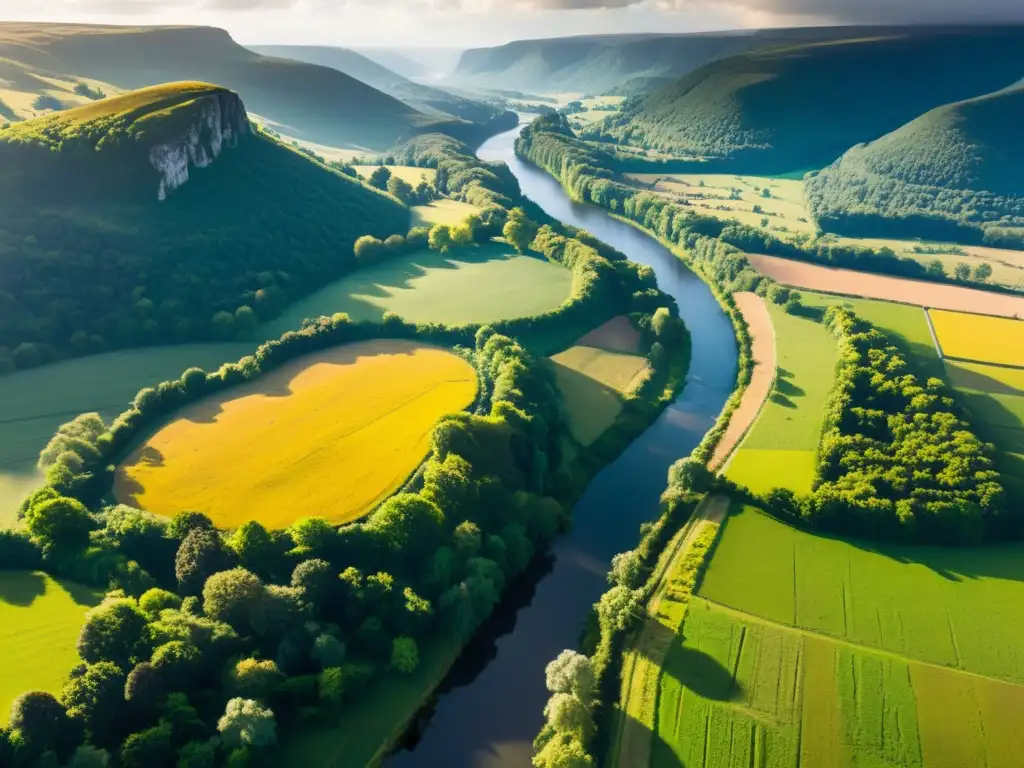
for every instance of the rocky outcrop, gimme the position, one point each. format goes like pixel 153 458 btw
pixel 219 121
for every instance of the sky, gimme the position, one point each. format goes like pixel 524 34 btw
pixel 474 23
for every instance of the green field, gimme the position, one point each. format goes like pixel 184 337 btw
pixel 35 402
pixel 40 619
pixel 781 447
pixel 442 211
pixel 479 284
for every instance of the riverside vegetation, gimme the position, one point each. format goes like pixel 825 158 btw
pixel 209 642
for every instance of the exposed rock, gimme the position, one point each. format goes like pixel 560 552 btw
pixel 220 119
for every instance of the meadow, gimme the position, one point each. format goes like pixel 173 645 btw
pixel 40 618
pixel 477 284
pixel 727 196
pixel 442 211
pixel 980 339
pixel 410 174
pixel 780 449
pixel 813 277
pixel 33 403
pixel 265 450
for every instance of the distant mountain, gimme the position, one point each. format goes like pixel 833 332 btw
pixel 801 106
pixel 431 101
pixel 415 62
pixel 316 103
pixel 955 172
pixel 394 61
pixel 598 64
pixel 153 216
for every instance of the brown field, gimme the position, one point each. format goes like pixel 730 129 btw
pixel 330 434
pixel 762 335
pixel 848 282
pixel 617 335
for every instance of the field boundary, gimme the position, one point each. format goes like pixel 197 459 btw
pixel 935 336
pixel 634 736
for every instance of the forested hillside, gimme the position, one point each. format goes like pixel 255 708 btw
pixel 91 258
pixel 302 100
pixel 801 106
pixel 432 101
pixel 597 64
pixel 954 172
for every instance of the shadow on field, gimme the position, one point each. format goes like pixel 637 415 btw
pixel 21 588
pixel 643 748
pixel 692 668
pixel 970 379
pixel 785 390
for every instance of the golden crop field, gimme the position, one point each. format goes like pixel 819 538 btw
pixel 330 434
pixel 980 338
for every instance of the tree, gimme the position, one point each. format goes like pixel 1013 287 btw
pixel 368 249
pixel 183 523
pixel 116 631
pixel 461 235
pixel 417 239
pixel 253 679
pixel 440 238
pixel 563 751
pixel 627 570
pixel 962 271
pixel 317 584
pixel 223 325
pixel 200 555
pixel 401 189
pixel 935 268
pixel 95 699
pixel 313 535
pixel 144 689
pixel 982 272
pixel 236 597
pixel 197 754
pixel 61 526
pixel 256 549
pixel 519 230
pixel 567 714
pixel 690 475
pixel 405 655
pixel 42 723
pixel 328 651
pixel 155 600
pixel 246 723
pixel 394 244
pixel 573 673
pixel 408 525
pixel 89 757
pixel 148 749
pixel 177 662
pixel 246 322
pixel 380 177
pixel 467 539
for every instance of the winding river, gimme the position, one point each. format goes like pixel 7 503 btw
pixel 490 708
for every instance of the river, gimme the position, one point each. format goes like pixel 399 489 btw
pixel 491 706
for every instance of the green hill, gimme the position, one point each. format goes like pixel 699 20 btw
pixel 91 257
pixel 796 107
pixel 957 172
pixel 303 100
pixel 433 101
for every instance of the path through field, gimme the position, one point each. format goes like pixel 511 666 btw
pixel 641 669
pixel 848 282
pixel 762 348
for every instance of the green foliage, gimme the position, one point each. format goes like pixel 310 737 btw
pixel 405 655
pixel 153 601
pixel 94 699
pixel 519 230
pixel 246 723
pixel 253 679
pixel 148 749
pixel 61 526
pixel 380 177
pixel 116 631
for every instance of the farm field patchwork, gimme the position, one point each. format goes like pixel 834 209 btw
pixel 40 618
pixel 781 447
pixel 408 173
pixel 450 212
pixel 850 282
pixel 477 284
pixel 34 402
pixel 264 450
pixel 980 339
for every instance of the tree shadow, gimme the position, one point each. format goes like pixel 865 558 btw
pixel 971 379
pixel 21 588
pixel 636 753
pixel 590 406
pixel 694 669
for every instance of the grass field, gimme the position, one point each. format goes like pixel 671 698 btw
pixel 982 339
pixel 781 447
pixel 442 211
pixel 593 382
pixel 33 403
pixel 478 284
pixel 408 173
pixel 40 619
pixel 329 434
pixel 726 196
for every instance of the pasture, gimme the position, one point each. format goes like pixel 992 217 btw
pixel 725 196
pixel 40 619
pixel 848 282
pixel 408 173
pixel 960 608
pixel 780 449
pixel 476 284
pixel 34 402
pixel 980 339
pixel 443 211
pixel 330 434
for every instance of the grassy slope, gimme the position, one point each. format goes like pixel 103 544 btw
pixel 781 446
pixel 753 107
pixel 40 619
pixel 478 284
pixel 960 162
pixel 310 102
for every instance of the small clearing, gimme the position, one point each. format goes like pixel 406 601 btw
pixel 450 212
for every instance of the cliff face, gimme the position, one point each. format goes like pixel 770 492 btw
pixel 219 121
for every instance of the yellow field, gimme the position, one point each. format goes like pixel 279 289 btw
pixel 330 434
pixel 408 173
pixel 442 212
pixel 986 378
pixel 593 382
pixel 980 338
